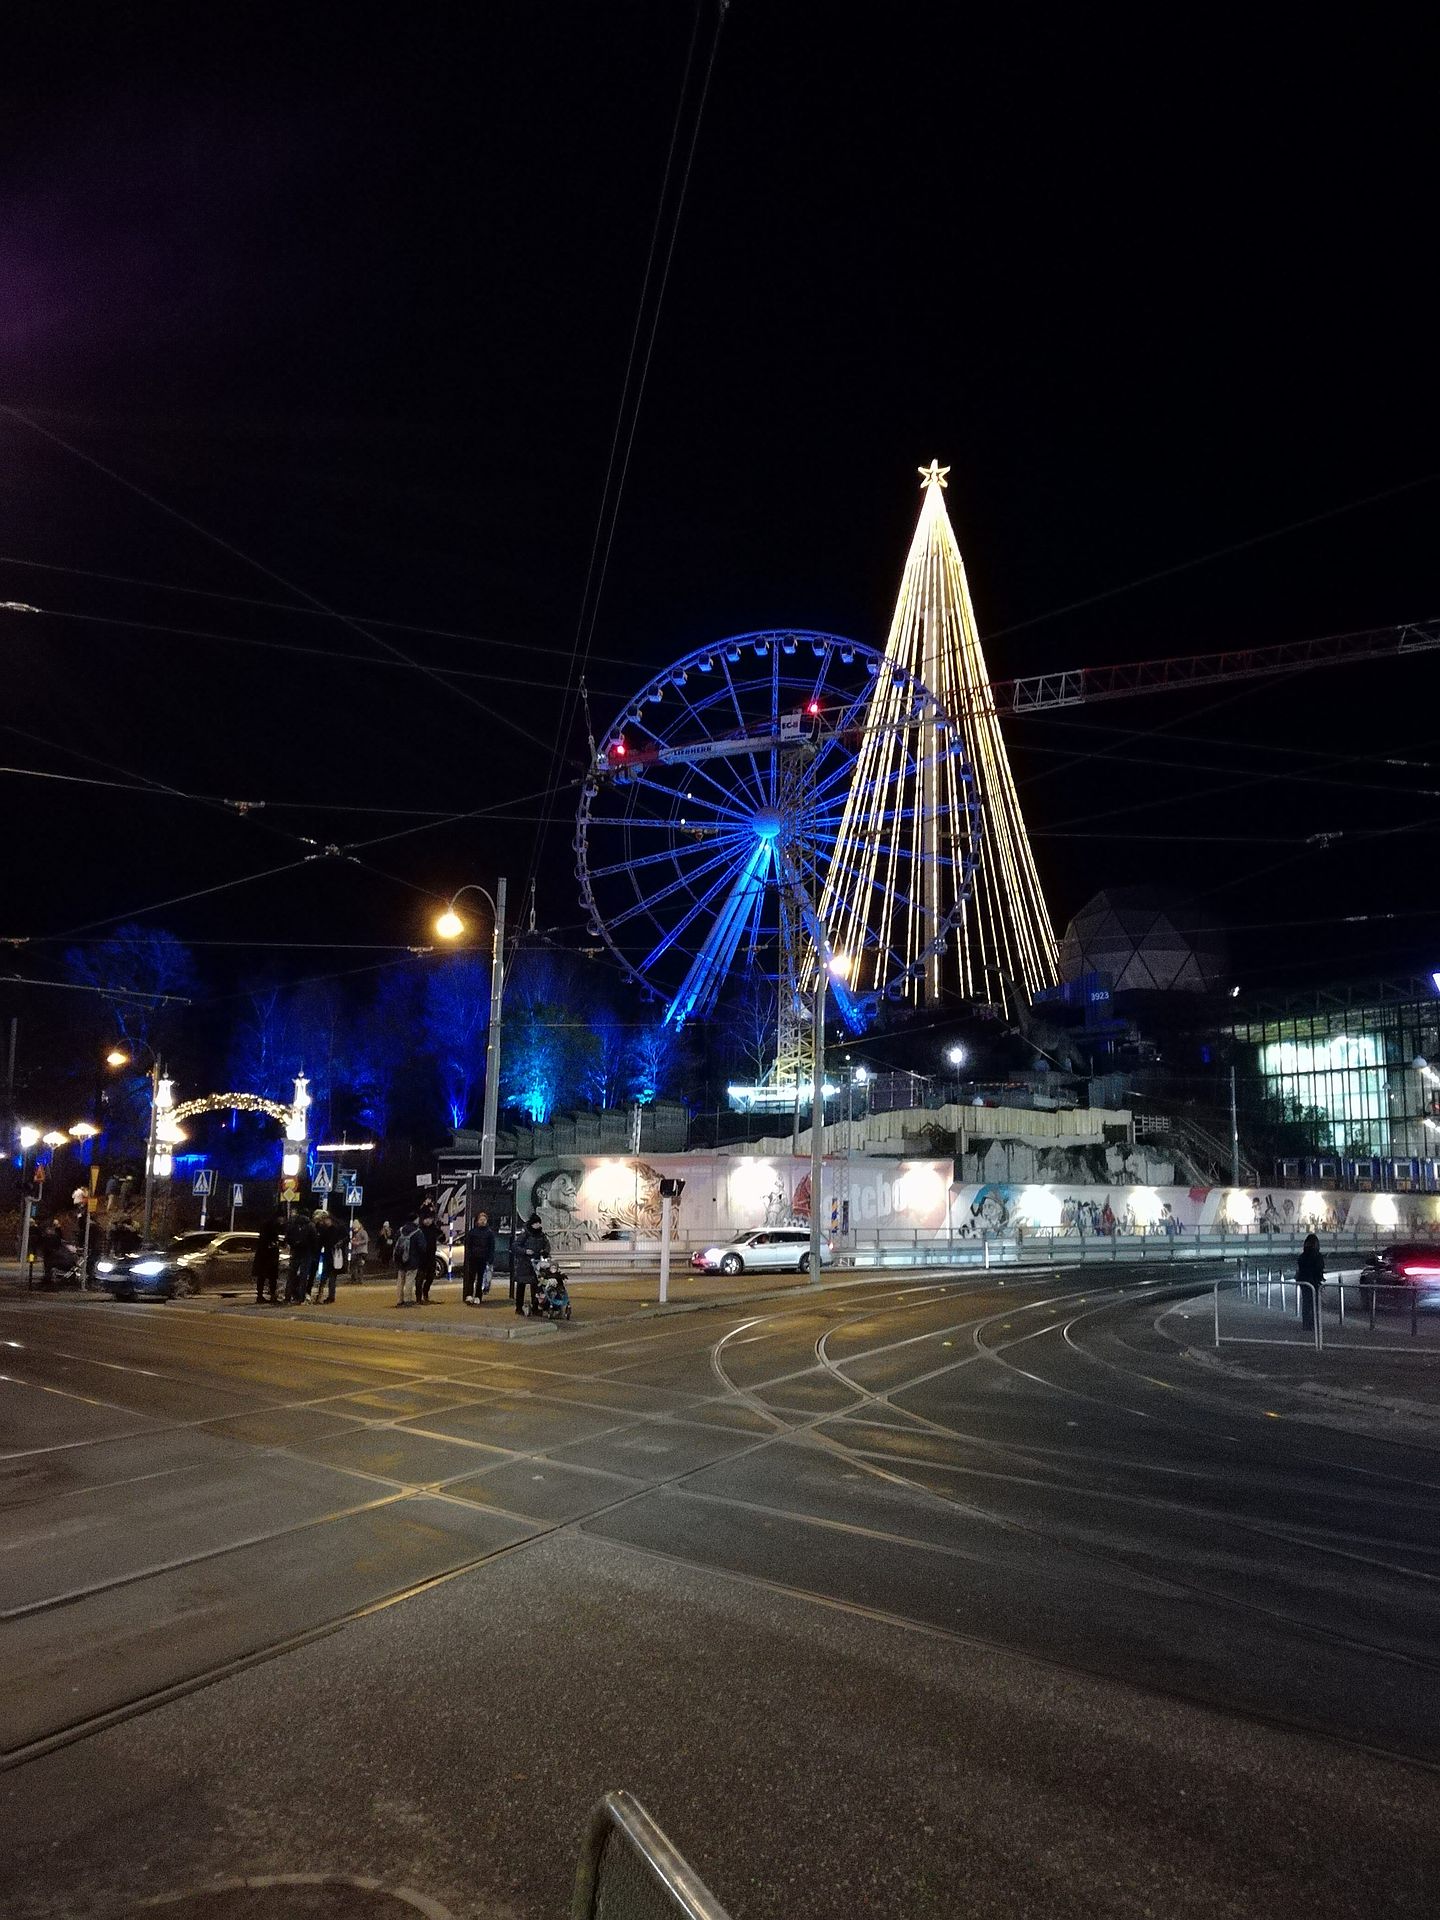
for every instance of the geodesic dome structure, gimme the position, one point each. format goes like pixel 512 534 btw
pixel 1147 941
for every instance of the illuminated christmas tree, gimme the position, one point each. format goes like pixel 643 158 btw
pixel 957 842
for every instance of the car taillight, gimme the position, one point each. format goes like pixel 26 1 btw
pixel 1413 1272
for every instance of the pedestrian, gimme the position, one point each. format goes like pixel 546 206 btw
pixel 430 1227
pixel 124 1237
pixel 1310 1277
pixel 409 1252
pixel 385 1244
pixel 265 1267
pixel 329 1239
pixel 529 1248
pixel 301 1238
pixel 52 1243
pixel 479 1253
pixel 359 1250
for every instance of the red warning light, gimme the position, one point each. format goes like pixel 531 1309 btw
pixel 813 708
pixel 617 749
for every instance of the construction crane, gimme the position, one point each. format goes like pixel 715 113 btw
pixel 1079 686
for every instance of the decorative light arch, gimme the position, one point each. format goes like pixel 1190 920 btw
pixel 169 1114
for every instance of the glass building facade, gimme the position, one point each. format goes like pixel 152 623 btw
pixel 1350 1074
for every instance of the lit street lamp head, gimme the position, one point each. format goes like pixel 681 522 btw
pixel 29 1137
pixel 117 1057
pixel 449 925
pixel 956 1056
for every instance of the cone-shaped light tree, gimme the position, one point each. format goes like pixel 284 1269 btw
pixel 959 837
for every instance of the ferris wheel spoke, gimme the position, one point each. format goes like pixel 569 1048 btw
pixel 717 952
pixel 683 885
pixel 671 853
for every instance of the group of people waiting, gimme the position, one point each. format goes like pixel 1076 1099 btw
pixel 322 1248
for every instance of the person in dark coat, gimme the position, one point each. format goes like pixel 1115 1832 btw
pixel 265 1267
pixel 329 1233
pixel 1310 1273
pixel 301 1238
pixel 530 1247
pixel 430 1228
pixel 52 1245
pixel 479 1248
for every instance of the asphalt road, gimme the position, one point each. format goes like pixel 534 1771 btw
pixel 913 1597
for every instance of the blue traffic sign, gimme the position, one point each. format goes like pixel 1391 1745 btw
pixel 204 1181
pixel 323 1178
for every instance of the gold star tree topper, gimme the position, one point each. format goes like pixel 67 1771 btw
pixel 932 476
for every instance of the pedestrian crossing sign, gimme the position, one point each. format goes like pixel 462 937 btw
pixel 323 1178
pixel 204 1181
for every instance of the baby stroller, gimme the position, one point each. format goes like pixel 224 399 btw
pixel 552 1298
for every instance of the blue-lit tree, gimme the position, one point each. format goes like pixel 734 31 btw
pixel 655 1056
pixel 547 1059
pixel 454 1023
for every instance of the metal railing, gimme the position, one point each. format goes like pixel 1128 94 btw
pixel 629 1871
pixel 1355 1301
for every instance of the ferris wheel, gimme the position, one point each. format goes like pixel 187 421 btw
pixel 737 816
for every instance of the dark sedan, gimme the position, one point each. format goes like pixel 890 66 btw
pixel 1401 1278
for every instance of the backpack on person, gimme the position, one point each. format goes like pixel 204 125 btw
pixel 410 1247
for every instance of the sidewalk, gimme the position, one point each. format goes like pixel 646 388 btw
pixel 1388 1373
pixel 595 1302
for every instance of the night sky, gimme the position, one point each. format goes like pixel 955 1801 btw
pixel 352 291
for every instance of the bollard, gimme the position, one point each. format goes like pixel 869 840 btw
pixel 1217 1310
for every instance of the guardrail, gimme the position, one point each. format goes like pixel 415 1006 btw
pixel 629 1870
pixel 1347 1300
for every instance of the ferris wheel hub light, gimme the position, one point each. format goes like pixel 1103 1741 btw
pixel 768 823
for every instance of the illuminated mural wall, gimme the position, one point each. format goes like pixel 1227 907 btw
pixel 587 1204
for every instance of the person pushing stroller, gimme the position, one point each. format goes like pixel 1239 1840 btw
pixel 530 1248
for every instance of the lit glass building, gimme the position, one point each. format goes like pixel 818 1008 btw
pixel 1349 1077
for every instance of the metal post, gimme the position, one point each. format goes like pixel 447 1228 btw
pixel 1234 1136
pixel 817 1114
pixel 492 1045
pixel 1217 1310
pixel 232 1206
pixel 150 1149
pixel 27 1208
pixel 665 1205
pixel 1319 1327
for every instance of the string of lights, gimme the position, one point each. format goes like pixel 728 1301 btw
pixel 949 823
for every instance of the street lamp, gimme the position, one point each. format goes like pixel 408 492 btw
pixel 837 967
pixel 117 1057
pixel 956 1055
pixel 29 1137
pixel 450 926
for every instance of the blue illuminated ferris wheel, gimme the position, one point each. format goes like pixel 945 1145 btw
pixel 732 819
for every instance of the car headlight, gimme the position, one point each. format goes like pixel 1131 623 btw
pixel 104 1266
pixel 149 1268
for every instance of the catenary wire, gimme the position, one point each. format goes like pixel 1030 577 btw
pixel 585 626
pixel 228 546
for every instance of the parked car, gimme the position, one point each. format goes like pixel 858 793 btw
pixel 766 1249
pixel 1397 1277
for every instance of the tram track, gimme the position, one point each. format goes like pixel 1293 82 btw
pixel 804 1430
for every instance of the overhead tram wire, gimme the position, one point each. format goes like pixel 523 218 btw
pixel 309 613
pixel 609 511
pixel 238 553
pixel 326 654
pixel 1216 553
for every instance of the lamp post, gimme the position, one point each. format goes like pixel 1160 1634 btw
pixel 839 966
pixel 29 1137
pixel 117 1057
pixel 450 926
